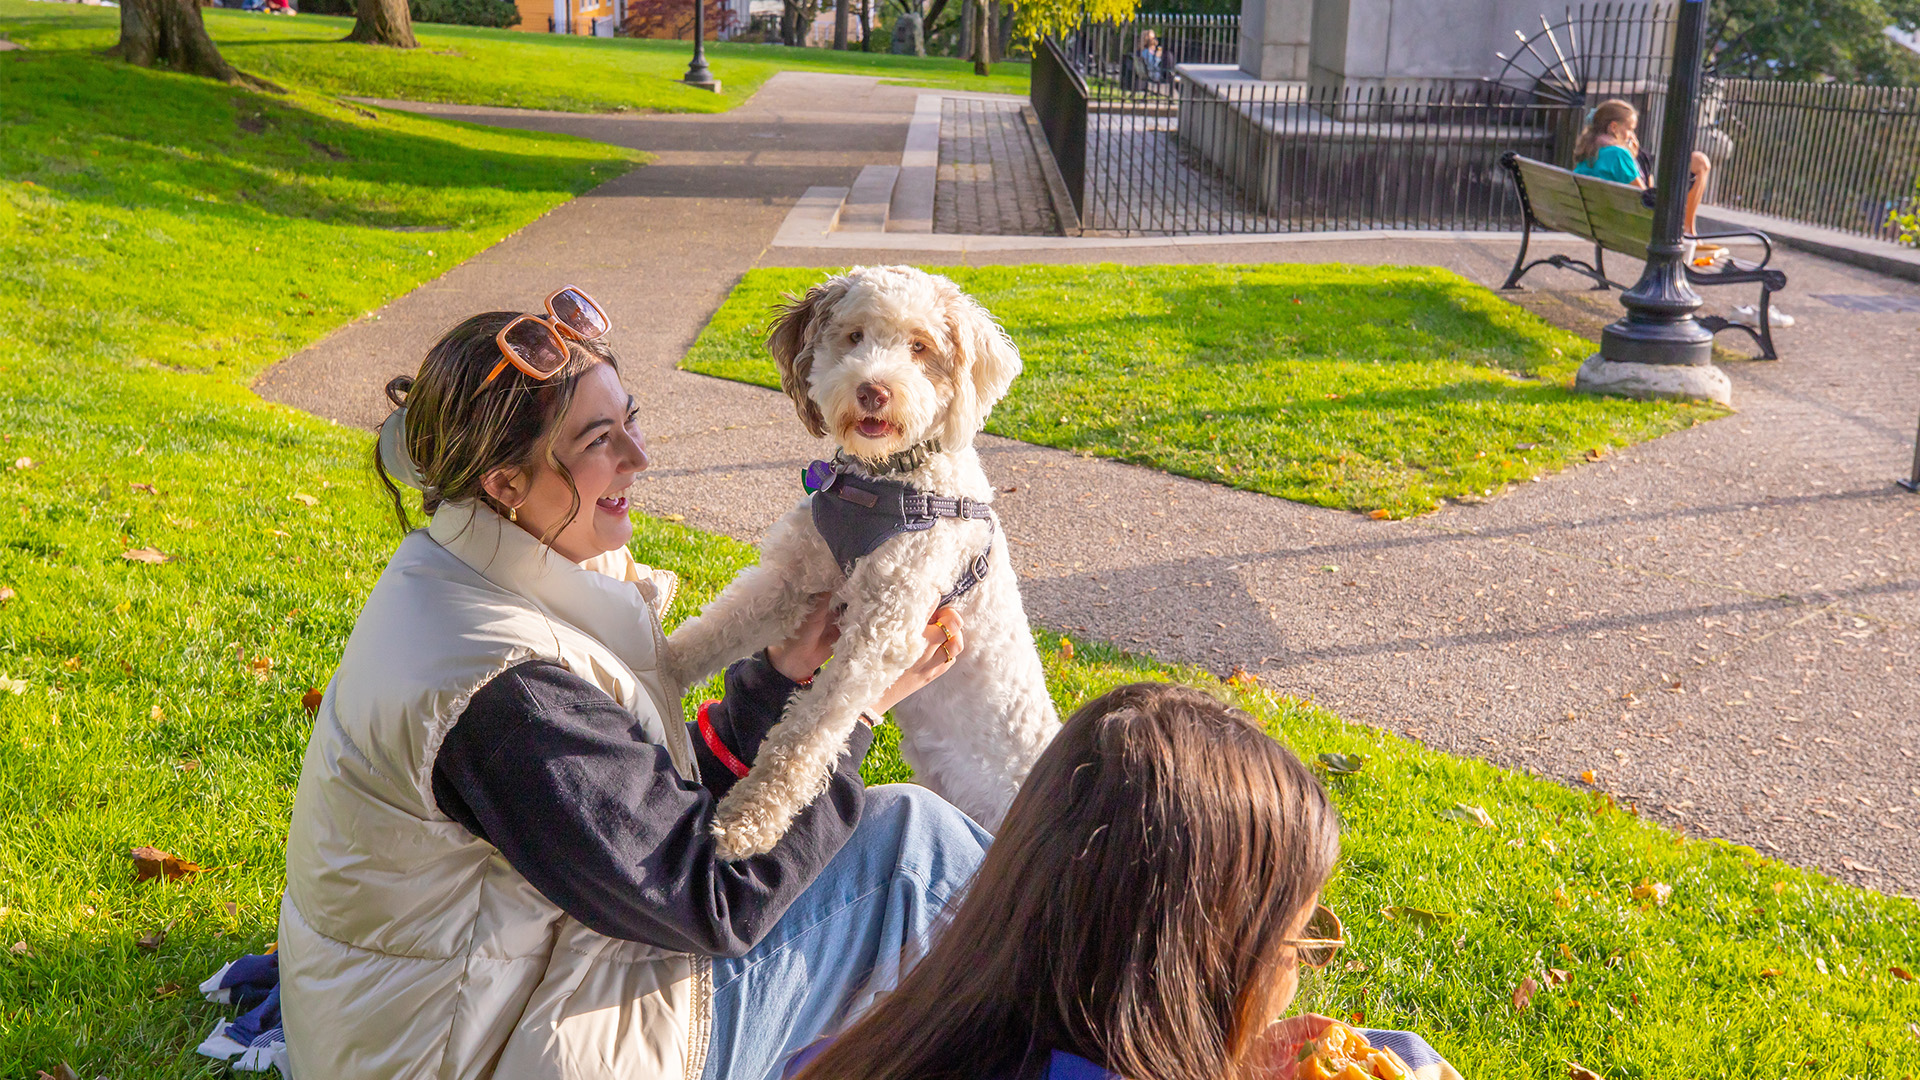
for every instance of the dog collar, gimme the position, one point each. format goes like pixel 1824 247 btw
pixel 897 462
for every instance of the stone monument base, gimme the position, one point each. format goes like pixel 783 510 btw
pixel 1693 382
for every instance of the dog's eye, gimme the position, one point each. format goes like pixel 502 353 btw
pixel 919 347
pixel 854 338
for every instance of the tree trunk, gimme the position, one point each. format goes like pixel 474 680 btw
pixel 866 26
pixel 383 22
pixel 169 33
pixel 982 38
pixel 840 25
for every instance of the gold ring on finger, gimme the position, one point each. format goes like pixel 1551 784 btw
pixel 949 652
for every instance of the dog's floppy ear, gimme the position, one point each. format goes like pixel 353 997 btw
pixel 790 339
pixel 988 359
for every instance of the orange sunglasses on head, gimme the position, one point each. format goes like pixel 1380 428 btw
pixel 538 346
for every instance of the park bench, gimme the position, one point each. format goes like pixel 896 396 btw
pixel 1619 218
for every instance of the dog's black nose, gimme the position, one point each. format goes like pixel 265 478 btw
pixel 872 396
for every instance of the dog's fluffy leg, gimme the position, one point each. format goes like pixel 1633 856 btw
pixel 881 638
pixel 761 606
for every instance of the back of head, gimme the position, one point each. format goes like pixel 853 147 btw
pixel 1131 910
pixel 1603 116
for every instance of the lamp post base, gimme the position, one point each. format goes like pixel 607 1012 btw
pixel 708 83
pixel 1689 382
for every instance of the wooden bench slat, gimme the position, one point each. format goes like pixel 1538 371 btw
pixel 1554 199
pixel 1616 218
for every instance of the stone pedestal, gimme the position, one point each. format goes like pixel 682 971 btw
pixel 1383 42
pixel 1647 382
pixel 1276 38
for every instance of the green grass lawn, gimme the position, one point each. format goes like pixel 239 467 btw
pixel 1365 388
pixel 478 66
pixel 159 704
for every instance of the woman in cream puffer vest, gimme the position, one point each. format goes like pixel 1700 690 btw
pixel 500 861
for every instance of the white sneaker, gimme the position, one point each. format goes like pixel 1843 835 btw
pixel 1748 315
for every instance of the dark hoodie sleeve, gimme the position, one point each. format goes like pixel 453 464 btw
pixel 562 780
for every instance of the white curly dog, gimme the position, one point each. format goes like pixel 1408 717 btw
pixel 900 368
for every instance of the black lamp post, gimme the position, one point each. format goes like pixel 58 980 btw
pixel 697 73
pixel 1658 348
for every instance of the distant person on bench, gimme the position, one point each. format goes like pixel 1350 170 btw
pixel 1153 59
pixel 1609 147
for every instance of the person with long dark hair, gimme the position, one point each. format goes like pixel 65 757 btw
pixel 1145 912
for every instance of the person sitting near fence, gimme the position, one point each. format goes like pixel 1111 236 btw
pixel 1153 58
pixel 1609 146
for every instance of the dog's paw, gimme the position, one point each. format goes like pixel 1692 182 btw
pixel 740 839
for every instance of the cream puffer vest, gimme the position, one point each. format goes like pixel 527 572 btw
pixel 409 948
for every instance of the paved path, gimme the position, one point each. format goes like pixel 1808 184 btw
pixel 1720 623
pixel 990 180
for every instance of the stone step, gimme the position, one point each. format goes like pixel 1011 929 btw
pixel 869 199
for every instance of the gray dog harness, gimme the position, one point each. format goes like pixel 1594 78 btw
pixel 856 514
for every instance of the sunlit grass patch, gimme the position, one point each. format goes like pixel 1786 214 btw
pixel 1366 388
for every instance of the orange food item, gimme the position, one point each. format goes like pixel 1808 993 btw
pixel 1341 1053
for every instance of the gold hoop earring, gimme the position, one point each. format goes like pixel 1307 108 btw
pixel 513 513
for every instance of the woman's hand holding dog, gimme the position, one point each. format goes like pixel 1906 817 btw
pixel 801 655
pixel 946 640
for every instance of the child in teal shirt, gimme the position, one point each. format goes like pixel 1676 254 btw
pixel 1607 149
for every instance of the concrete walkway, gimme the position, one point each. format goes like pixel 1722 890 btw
pixel 1721 624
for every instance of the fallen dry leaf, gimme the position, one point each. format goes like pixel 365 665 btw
pixel 1241 677
pixel 1066 649
pixel 1474 814
pixel 156 713
pixel 1557 977
pixel 148 488
pixel 1859 868
pixel 1356 965
pixel 1580 1072
pixel 1901 973
pixel 71 663
pixel 303 497
pixel 1523 994
pixel 1379 515
pixel 1779 887
pixel 146 555
pixel 62 1071
pixel 1561 899
pixel 1566 953
pixel 166 990
pixel 19 948
pixel 1343 764
pixel 1596 453
pixel 232 909
pixel 310 701
pixel 12 686
pixel 151 862
pixel 23 463
pixel 1769 973
pixel 152 941
pixel 1417 916
pixel 1656 891
pixel 1586 776
pixel 6 594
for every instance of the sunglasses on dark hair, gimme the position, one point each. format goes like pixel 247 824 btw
pixel 1325 940
pixel 538 346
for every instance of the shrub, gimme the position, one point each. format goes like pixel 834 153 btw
pixel 496 13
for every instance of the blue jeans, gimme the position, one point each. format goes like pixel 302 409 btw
pixel 848 938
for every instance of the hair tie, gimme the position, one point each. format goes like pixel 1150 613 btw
pixel 1590 113
pixel 393 451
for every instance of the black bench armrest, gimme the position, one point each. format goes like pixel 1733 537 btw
pixel 1765 240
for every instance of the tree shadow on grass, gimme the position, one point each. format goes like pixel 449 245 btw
pixel 133 138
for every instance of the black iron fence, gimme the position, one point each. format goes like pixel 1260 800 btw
pixel 1117 52
pixel 1216 153
pixel 1830 154
pixel 1194 146
pixel 1059 97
